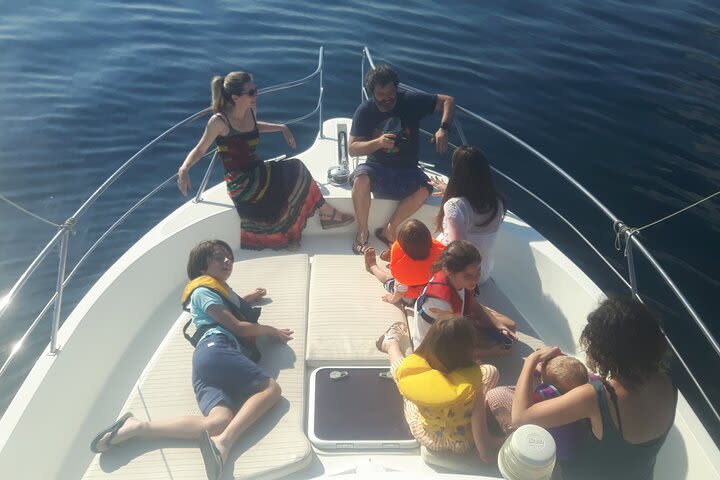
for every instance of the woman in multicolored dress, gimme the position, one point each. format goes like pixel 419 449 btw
pixel 274 199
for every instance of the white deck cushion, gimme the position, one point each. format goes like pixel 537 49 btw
pixel 276 446
pixel 346 313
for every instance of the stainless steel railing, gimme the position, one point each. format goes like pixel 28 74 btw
pixel 621 229
pixel 62 236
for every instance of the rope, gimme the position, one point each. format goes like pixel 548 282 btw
pixel 622 230
pixel 28 212
pixel 679 211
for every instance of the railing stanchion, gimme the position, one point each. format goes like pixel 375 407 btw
pixel 362 75
pixel 631 263
pixel 320 116
pixel 54 348
pixel 322 87
pixel 460 131
pixel 206 179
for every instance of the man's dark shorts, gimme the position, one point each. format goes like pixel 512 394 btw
pixel 390 182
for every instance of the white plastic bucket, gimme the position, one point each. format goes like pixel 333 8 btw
pixel 528 454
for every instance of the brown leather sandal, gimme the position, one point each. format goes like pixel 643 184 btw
pixel 359 247
pixel 334 221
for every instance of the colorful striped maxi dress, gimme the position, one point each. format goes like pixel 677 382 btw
pixel 273 199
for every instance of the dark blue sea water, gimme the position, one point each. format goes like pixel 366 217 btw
pixel 624 96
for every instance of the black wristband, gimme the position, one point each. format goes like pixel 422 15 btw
pixel 445 126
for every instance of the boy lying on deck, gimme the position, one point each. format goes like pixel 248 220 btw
pixel 232 391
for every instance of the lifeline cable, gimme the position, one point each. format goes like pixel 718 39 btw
pixel 28 212
pixel 679 211
pixel 622 229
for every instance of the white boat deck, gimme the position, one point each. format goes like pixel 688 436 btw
pixel 334 307
pixel 121 348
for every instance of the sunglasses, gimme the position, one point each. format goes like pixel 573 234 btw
pixel 250 93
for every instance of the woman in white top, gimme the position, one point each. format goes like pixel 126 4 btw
pixel 472 208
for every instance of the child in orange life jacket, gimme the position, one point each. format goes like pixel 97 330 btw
pixel 450 292
pixel 411 258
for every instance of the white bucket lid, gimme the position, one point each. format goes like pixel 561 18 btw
pixel 528 454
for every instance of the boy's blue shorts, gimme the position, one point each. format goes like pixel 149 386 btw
pixel 221 373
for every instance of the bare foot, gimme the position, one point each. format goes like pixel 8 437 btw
pixel 370 259
pixel 222 447
pixel 130 428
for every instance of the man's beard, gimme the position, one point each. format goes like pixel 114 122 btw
pixel 385 105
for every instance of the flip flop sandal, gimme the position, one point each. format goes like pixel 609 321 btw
pixel 334 222
pixel 381 236
pixel 112 430
pixel 211 457
pixel 359 247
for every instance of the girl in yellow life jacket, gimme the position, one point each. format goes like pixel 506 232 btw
pixel 451 292
pixel 231 390
pixel 443 388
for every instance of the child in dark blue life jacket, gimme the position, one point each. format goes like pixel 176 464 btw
pixel 231 390
pixel 559 375
pixel 450 293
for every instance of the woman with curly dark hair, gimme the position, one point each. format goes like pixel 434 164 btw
pixel 630 411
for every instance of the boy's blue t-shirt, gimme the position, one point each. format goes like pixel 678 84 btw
pixel 201 299
pixel 403 120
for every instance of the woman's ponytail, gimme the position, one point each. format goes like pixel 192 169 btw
pixel 218 94
pixel 223 88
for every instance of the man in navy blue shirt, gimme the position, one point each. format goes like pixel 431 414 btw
pixel 385 128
